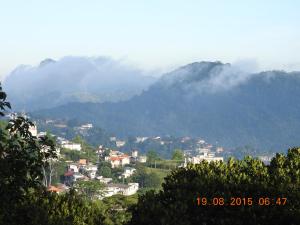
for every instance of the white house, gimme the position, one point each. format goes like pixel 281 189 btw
pixel 72 146
pixel 205 156
pixel 33 130
pixel 73 167
pixel 123 189
pixel 104 179
pixel 142 159
pixel 120 143
pixel 141 139
pixel 128 171
pixel 134 153
pixel 86 126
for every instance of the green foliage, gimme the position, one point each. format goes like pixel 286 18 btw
pixel 3 103
pixel 91 188
pixel 177 155
pixel 118 206
pixel 72 155
pixel 152 180
pixel 104 169
pixel 53 209
pixel 22 159
pixel 147 178
pixel 152 156
pixel 177 202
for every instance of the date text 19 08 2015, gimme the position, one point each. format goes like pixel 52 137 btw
pixel 241 201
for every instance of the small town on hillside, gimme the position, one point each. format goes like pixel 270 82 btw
pixel 115 170
pixel 83 170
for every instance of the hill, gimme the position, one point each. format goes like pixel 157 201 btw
pixel 212 100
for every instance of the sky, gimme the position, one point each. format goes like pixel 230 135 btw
pixel 151 34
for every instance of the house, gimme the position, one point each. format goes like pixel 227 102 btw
pixel 128 171
pixel 112 139
pixel 219 149
pixel 90 170
pixel 104 179
pixel 33 130
pixel 82 162
pixel 117 161
pixel 123 189
pixel 117 158
pixel 120 143
pixel 73 167
pixel 134 153
pixel 140 139
pixel 208 156
pixel 86 126
pixel 71 146
pixel 142 159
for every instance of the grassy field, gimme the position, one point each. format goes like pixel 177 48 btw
pixel 165 164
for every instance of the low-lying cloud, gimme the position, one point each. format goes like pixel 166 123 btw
pixel 53 83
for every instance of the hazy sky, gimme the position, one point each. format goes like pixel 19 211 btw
pixel 152 34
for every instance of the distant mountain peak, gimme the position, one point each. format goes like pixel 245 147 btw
pixel 46 62
pixel 193 73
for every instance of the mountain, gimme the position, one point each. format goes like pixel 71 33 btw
pixel 73 79
pixel 216 101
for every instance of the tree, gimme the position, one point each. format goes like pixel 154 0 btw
pixel 104 169
pixel 152 180
pixel 219 182
pixel 67 209
pixel 90 189
pixel 22 157
pixel 140 175
pixel 177 155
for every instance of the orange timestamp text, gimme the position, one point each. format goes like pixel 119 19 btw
pixel 241 201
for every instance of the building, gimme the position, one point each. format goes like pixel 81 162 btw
pixel 33 130
pixel 219 149
pixel 73 167
pixel 117 158
pixel 86 126
pixel 209 157
pixel 120 143
pixel 140 139
pixel 134 153
pixel 90 170
pixel 82 162
pixel 104 180
pixel 72 146
pixel 128 172
pixel 113 139
pixel 123 189
pixel 142 159
pixel 117 161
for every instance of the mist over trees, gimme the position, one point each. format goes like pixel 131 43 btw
pixel 74 79
pixel 197 100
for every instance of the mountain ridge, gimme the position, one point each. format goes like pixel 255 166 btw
pixel 230 107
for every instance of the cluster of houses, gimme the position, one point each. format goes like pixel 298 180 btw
pixel 200 154
pixel 117 158
pixel 83 170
